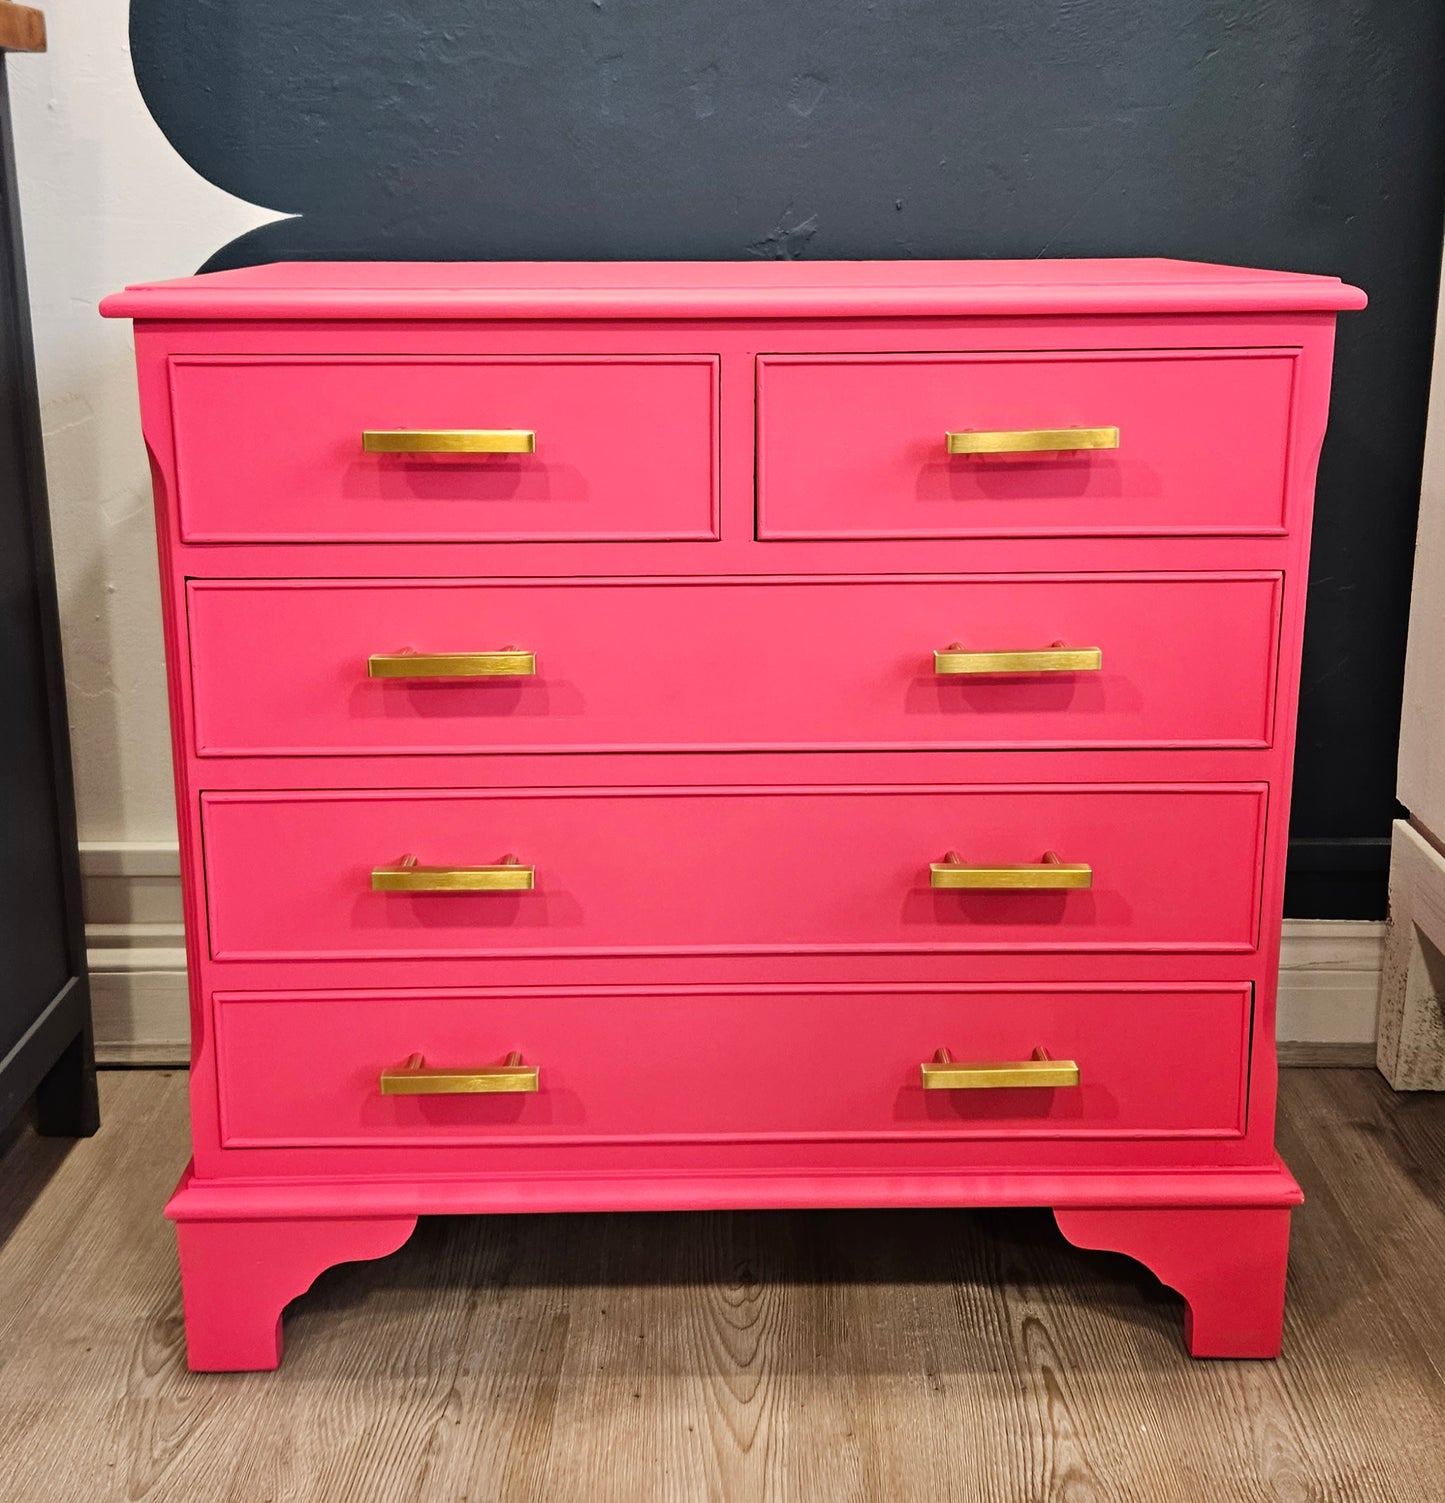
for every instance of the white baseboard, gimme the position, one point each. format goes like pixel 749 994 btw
pixel 1329 977
pixel 1329 990
pixel 142 1014
pixel 135 944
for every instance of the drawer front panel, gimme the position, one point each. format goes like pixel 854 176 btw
pixel 271 448
pixel 304 1069
pixel 854 446
pixel 717 870
pixel 1185 661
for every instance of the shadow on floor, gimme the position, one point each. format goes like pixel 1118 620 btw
pixel 28 1162
pixel 955 1270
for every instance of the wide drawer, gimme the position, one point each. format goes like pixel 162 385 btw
pixel 1184 660
pixel 271 448
pixel 305 1068
pixel 854 446
pixel 730 869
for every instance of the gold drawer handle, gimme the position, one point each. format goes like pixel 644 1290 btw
pixel 1033 441
pixel 941 1073
pixel 449 441
pixel 414 1079
pixel 954 661
pixel 510 662
pixel 1048 873
pixel 406 876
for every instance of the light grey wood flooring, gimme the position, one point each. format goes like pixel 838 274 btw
pixel 822 1356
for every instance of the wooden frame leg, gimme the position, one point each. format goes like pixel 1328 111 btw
pixel 1411 1047
pixel 67 1103
pixel 1228 1263
pixel 238 1276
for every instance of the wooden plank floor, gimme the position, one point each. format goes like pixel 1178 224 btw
pixel 812 1356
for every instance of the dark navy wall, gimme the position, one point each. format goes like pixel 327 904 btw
pixel 1304 134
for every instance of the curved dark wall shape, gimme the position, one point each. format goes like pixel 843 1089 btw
pixel 1280 133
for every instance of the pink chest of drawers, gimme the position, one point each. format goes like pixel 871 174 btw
pixel 733 736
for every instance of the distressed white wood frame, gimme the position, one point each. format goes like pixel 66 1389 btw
pixel 1411 1043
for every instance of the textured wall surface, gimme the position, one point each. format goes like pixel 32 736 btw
pixel 1276 132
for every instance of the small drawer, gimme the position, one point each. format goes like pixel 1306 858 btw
pixel 501 449
pixel 1154 442
pixel 306 1069
pixel 722 870
pixel 366 668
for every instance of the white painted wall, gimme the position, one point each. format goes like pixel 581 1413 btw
pixel 105 200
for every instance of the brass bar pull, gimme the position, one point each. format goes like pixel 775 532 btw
pixel 510 662
pixel 414 1079
pixel 954 661
pixel 1050 873
pixel 1033 441
pixel 941 1073
pixel 406 876
pixel 449 441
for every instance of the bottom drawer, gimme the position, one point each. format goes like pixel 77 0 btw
pixel 678 1064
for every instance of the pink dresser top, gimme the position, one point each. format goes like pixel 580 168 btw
pixel 727 289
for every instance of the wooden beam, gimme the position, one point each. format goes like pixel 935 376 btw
pixel 22 28
pixel 1412 983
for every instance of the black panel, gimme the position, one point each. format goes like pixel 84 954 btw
pixel 1276 133
pixel 1338 879
pixel 44 999
pixel 32 893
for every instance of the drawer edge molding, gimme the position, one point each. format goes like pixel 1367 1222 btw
pixel 1063 1007
pixel 785 510
pixel 217 502
pixel 527 666
pixel 228 859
